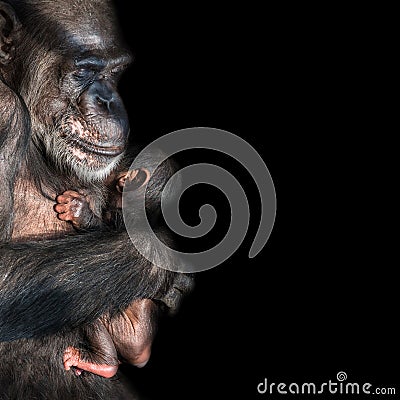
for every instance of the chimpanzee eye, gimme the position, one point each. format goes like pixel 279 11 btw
pixel 84 73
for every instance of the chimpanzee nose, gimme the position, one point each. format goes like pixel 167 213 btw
pixel 105 98
pixel 102 98
pixel 101 102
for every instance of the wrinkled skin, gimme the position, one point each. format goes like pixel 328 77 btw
pixel 127 336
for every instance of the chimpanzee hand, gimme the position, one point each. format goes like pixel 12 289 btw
pixel 99 357
pixel 79 209
pixel 75 207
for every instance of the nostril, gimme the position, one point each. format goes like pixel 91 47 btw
pixel 100 101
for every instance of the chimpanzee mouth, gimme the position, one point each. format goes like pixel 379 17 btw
pixel 108 151
pixel 80 136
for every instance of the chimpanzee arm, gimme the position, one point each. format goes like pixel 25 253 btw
pixel 50 285
pixel 14 135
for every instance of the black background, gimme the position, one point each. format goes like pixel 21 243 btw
pixel 296 84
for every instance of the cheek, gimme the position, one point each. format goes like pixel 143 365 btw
pixel 45 99
pixel 78 129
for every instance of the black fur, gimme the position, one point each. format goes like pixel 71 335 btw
pixel 54 284
pixel 13 144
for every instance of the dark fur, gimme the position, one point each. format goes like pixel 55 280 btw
pixel 13 144
pixel 52 290
pixel 45 378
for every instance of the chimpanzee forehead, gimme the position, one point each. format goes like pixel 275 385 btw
pixel 96 45
pixel 66 12
pixel 89 27
pixel 70 23
pixel 90 40
pixel 73 8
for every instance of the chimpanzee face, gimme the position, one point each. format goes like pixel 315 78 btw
pixel 94 127
pixel 78 117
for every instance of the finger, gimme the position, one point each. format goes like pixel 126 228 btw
pixel 66 216
pixel 61 208
pixel 63 199
pixel 72 193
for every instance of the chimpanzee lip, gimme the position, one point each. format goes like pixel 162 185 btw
pixel 109 151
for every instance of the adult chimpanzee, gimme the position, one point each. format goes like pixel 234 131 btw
pixel 69 299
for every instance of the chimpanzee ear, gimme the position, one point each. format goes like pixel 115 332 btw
pixel 9 29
